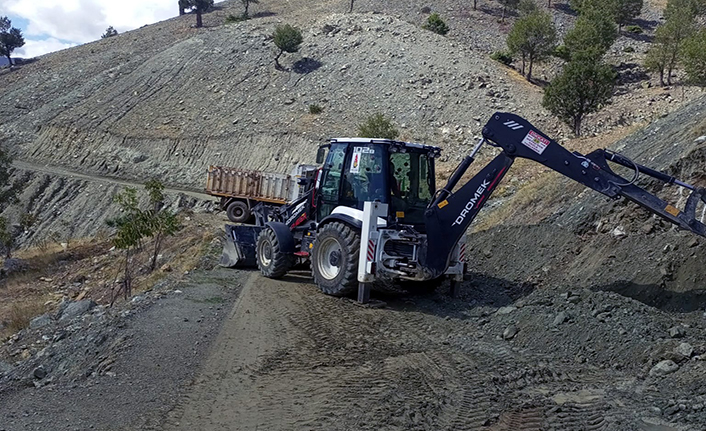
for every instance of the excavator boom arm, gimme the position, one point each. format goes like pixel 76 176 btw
pixel 450 213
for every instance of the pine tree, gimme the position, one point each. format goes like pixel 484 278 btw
pixel 109 32
pixel 664 54
pixel 508 6
pixel 594 33
pixel 286 39
pixel 10 38
pixel 198 6
pixel 583 87
pixel 534 38
pixel 694 59
pixel 247 3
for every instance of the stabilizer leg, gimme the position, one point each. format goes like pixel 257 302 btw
pixel 363 293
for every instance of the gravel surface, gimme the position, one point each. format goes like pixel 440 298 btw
pixel 113 368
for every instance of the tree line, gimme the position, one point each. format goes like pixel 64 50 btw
pixel 586 82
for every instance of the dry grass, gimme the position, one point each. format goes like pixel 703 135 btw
pixel 89 269
pixel 18 316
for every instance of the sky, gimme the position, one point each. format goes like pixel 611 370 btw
pixel 51 25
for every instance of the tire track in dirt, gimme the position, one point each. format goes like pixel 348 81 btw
pixel 291 358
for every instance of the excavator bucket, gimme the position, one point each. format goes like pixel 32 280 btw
pixel 239 246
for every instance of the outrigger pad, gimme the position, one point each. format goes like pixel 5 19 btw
pixel 239 246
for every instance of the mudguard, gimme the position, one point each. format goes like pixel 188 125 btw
pixel 284 236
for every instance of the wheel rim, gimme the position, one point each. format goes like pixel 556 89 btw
pixel 238 212
pixel 329 258
pixel 265 253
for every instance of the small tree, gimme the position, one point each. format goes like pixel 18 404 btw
pixel 377 126
pixel 247 3
pixel 508 6
pixel 436 24
pixel 10 38
pixel 135 224
pixel 130 230
pixel 198 6
pixel 694 59
pixel 534 38
pixel 109 32
pixel 694 8
pixel 287 39
pixel 161 221
pixel 527 7
pixel 626 10
pixel 594 32
pixel 583 87
pixel 664 54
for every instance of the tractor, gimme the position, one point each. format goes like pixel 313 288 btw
pixel 373 214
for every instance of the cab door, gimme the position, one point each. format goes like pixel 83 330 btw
pixel 330 190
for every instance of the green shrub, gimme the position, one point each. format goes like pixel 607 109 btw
pixel 286 39
pixel 377 126
pixel 636 29
pixel 503 57
pixel 436 24
pixel 315 109
pixel 235 18
pixel 562 52
pixel 628 49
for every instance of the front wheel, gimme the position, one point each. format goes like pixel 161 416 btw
pixel 273 263
pixel 334 259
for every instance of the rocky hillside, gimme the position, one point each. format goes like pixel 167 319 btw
pixel 167 100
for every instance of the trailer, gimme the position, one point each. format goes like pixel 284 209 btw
pixel 240 190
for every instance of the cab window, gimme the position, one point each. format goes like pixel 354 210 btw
pixel 331 180
pixel 363 176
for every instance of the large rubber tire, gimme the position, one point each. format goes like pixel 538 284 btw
pixel 272 262
pixel 334 259
pixel 238 212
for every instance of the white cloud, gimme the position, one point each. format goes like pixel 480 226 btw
pixel 35 48
pixel 81 21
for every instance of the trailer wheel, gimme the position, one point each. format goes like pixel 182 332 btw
pixel 238 212
pixel 334 259
pixel 272 262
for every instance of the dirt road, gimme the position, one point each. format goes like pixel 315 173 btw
pixel 290 358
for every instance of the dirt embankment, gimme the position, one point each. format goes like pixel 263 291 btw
pixel 580 238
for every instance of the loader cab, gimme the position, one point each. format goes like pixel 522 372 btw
pixel 357 170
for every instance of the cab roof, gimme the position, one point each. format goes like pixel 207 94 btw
pixel 428 148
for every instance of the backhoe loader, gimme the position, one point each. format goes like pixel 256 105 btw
pixel 373 212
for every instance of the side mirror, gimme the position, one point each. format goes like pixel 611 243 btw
pixel 321 155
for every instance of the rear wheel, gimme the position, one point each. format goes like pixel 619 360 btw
pixel 334 259
pixel 238 212
pixel 273 263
